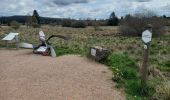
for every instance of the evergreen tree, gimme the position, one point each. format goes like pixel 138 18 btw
pixel 35 22
pixel 164 16
pixel 113 20
pixel 36 15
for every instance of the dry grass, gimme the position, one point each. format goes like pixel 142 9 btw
pixel 163 91
pixel 83 38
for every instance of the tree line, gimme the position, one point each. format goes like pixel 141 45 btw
pixel 36 20
pixel 129 25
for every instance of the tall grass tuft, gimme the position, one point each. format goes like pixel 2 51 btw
pixel 163 91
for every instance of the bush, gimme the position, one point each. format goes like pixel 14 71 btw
pixel 53 24
pixel 35 25
pixel 66 22
pixel 15 24
pixel 97 28
pixel 79 24
pixel 135 25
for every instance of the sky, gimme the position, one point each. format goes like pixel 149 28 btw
pixel 99 9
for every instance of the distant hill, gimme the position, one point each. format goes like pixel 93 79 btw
pixel 24 19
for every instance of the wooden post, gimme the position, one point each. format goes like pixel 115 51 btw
pixel 145 62
pixel 145 65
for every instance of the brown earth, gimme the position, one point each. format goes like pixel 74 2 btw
pixel 26 76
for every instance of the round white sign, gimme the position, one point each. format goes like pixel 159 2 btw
pixel 147 36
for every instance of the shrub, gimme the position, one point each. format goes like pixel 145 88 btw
pixel 15 24
pixel 53 24
pixel 79 24
pixel 117 75
pixel 35 25
pixel 135 25
pixel 97 28
pixel 66 22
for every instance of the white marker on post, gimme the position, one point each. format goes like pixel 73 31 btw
pixel 146 36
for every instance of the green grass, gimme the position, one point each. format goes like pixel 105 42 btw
pixel 126 74
pixel 65 51
pixel 164 66
pixel 122 62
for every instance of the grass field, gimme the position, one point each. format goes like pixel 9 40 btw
pixel 82 39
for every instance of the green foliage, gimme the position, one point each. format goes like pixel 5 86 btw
pixel 34 22
pixel 15 25
pixel 36 15
pixel 124 64
pixel 164 66
pixel 136 87
pixel 113 20
pixel 167 64
pixel 64 51
pixel 125 73
pixel 117 75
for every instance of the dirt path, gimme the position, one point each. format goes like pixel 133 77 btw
pixel 25 76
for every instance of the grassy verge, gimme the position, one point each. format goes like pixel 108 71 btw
pixel 126 74
pixel 66 50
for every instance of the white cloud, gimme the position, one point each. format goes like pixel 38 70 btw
pixel 82 8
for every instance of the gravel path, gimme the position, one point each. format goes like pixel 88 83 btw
pixel 26 76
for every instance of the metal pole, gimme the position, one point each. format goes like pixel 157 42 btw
pixel 6 42
pixel 17 41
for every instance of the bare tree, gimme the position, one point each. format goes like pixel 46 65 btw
pixel 134 25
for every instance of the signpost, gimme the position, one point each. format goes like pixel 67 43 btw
pixel 146 37
pixel 10 37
